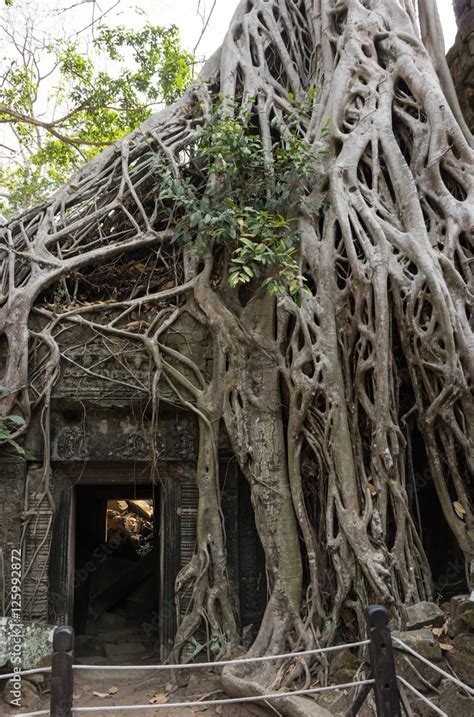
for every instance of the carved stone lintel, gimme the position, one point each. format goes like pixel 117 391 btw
pixel 108 440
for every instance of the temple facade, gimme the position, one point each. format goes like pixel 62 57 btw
pixel 103 448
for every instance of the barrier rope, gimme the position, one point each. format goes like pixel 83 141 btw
pixel 24 673
pixel 207 703
pixel 445 674
pixel 224 663
pixel 421 697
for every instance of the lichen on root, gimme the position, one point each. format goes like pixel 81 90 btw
pixel 319 396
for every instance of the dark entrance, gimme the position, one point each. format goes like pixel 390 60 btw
pixel 116 577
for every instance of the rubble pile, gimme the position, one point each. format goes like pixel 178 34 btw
pixel 130 527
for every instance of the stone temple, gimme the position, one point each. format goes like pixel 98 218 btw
pixel 104 451
pixel 100 450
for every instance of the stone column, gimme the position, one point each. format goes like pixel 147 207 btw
pixel 36 552
pixel 12 490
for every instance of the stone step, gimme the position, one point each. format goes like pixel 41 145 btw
pixel 121 635
pixel 126 652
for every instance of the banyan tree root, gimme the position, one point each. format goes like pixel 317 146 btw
pixel 320 396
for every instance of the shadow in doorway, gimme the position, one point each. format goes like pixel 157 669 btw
pixel 116 583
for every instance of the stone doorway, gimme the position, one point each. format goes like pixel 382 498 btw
pixel 116 576
pixel 84 492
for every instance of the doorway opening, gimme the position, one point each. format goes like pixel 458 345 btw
pixel 444 555
pixel 116 578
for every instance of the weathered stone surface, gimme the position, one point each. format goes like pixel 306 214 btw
pixel 112 620
pixel 106 436
pixel 127 652
pixel 343 667
pixel 454 702
pixel 28 695
pixel 88 645
pixel 118 505
pixel 35 640
pixel 423 614
pixel 12 487
pixel 462 615
pixel 409 667
pixel 35 584
pixel 143 508
pixel 118 374
pixel 461 658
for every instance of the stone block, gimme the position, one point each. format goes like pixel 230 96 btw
pixel 112 620
pixel 423 614
pixel 412 669
pixel 28 695
pixel 462 615
pixel 461 658
pixel 454 702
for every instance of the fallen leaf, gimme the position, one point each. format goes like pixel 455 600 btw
pixel 169 686
pixel 219 709
pixel 445 647
pixel 459 509
pixel 373 490
pixel 439 631
pixel 87 688
pixel 102 695
pixel 159 699
pixel 113 690
pixel 137 325
pixel 76 697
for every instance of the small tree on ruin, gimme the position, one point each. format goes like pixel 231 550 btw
pixel 307 201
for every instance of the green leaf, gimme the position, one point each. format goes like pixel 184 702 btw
pixel 19 449
pixel 17 420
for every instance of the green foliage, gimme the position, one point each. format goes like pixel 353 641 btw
pixel 8 424
pixel 98 106
pixel 245 199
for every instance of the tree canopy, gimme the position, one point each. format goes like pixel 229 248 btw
pixel 63 105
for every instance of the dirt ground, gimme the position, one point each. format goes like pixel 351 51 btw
pixel 97 688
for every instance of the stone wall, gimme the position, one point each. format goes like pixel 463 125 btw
pixel 12 487
pixel 461 59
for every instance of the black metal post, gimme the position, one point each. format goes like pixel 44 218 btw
pixel 387 696
pixel 61 672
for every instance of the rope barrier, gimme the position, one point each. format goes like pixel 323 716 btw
pixel 422 697
pixel 445 674
pixel 206 703
pixel 23 673
pixel 224 663
pixel 41 713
